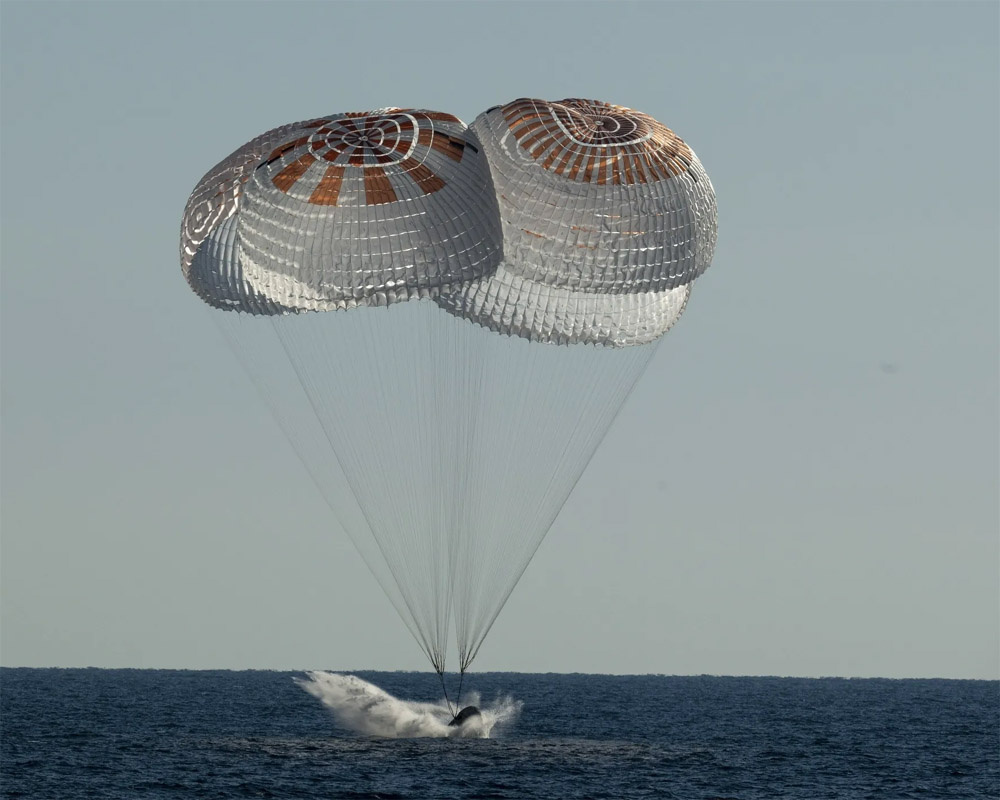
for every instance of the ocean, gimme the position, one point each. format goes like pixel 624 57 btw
pixel 69 734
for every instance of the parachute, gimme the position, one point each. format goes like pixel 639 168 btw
pixel 445 320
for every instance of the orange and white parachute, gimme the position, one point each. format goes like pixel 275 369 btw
pixel 574 229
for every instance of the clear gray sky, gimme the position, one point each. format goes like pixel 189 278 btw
pixel 829 502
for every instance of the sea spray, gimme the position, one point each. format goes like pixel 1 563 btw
pixel 362 707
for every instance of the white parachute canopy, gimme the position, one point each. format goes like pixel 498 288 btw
pixel 446 320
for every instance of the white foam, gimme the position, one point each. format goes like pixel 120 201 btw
pixel 363 707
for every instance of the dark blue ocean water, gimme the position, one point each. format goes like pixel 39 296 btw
pixel 176 734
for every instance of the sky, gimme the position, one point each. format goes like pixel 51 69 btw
pixel 805 482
